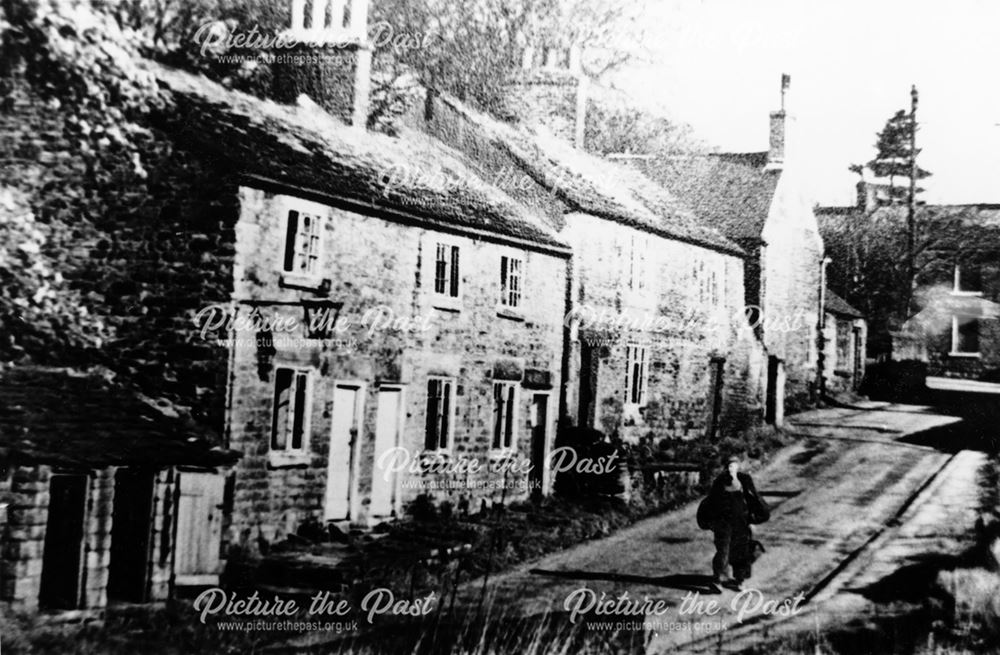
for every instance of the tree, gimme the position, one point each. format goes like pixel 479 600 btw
pixel 614 126
pixel 472 49
pixel 895 155
pixel 870 267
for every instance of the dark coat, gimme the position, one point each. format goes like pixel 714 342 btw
pixel 712 509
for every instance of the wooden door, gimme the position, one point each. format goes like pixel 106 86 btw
pixel 539 443
pixel 714 406
pixel 199 529
pixel 774 407
pixel 62 557
pixel 341 470
pixel 131 525
pixel 589 366
pixel 388 423
pixel 858 358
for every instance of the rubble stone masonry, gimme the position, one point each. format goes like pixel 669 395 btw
pixel 393 331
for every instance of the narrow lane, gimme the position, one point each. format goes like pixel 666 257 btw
pixel 830 497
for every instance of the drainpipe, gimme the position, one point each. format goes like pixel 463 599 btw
pixel 821 332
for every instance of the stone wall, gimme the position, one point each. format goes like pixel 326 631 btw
pixel 840 349
pixel 791 269
pixel 24 537
pixel 141 245
pixel 985 367
pixel 391 331
pixel 679 317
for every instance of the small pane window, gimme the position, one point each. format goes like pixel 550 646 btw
pixel 504 410
pixel 291 410
pixel 510 282
pixel 635 375
pixel 302 243
pixel 446 270
pixel 440 401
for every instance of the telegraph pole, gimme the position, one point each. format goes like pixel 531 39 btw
pixel 911 208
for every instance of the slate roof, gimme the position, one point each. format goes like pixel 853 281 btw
pixel 730 192
pixel 304 147
pixel 837 305
pixel 592 185
pixel 84 419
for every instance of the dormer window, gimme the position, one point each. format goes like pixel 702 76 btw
pixel 968 280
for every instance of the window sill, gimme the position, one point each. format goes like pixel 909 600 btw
pixel 446 303
pixel 966 355
pixel 279 460
pixel 299 281
pixel 967 294
pixel 440 453
pixel 509 313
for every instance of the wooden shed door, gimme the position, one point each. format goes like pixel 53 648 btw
pixel 199 529
pixel 131 526
pixel 62 559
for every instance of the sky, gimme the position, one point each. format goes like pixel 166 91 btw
pixel 717 65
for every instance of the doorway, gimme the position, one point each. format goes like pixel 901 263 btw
pixel 199 528
pixel 858 364
pixel 714 409
pixel 539 444
pixel 774 406
pixel 131 522
pixel 589 365
pixel 62 557
pixel 388 425
pixel 341 469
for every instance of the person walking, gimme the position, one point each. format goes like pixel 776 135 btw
pixel 731 507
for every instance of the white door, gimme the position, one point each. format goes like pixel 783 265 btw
pixel 388 423
pixel 199 529
pixel 340 470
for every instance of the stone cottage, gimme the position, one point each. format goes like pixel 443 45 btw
pixel 109 496
pixel 651 349
pixel 842 351
pixel 316 295
pixel 395 321
pixel 759 201
pixel 954 322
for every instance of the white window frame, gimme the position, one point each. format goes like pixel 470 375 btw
pixel 507 261
pixel 955 340
pixel 957 286
pixel 636 353
pixel 296 276
pixel 513 416
pixel 289 455
pixel 444 300
pixel 450 434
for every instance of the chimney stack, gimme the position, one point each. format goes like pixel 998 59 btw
pixel 777 150
pixel 328 58
pixel 552 92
